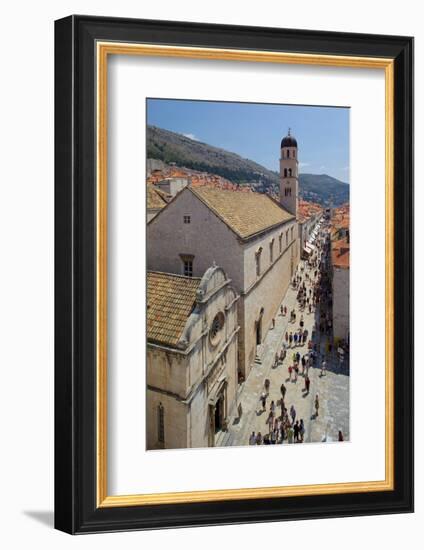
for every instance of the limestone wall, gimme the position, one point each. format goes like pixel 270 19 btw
pixel 340 303
pixel 175 421
pixel 206 237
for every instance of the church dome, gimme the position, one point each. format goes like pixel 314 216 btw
pixel 288 141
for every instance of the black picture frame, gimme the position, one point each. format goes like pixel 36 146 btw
pixel 76 510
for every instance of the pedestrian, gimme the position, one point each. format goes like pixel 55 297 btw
pixel 273 437
pixel 296 371
pixel 273 323
pixel 263 400
pixel 285 310
pixel 293 413
pixel 259 439
pixel 341 438
pixel 303 361
pixel 290 372
pixel 291 338
pixel 252 439
pixel 287 337
pixel 323 367
pixel 270 422
pixel 281 310
pixel 283 390
pixel 307 384
pixel 272 408
pixel 297 357
pixel 276 359
pixel 316 405
pixel 296 430
pixel 289 434
pixel 301 430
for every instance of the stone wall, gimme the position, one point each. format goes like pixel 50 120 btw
pixel 340 302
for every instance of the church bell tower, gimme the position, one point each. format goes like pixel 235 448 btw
pixel 289 184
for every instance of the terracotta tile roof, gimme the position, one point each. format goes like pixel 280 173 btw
pixel 156 199
pixel 197 179
pixel 245 213
pixel 340 253
pixel 170 300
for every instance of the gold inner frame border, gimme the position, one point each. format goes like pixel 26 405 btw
pixel 103 50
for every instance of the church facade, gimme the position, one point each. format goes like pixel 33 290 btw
pixel 252 237
pixel 192 332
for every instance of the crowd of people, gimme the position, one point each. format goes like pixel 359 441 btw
pixel 312 284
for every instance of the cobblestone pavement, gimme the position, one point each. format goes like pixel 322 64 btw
pixel 332 388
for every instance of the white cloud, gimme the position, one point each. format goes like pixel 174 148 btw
pixel 191 136
pixel 322 167
pixel 304 164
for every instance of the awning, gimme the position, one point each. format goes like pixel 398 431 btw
pixel 307 250
pixel 310 245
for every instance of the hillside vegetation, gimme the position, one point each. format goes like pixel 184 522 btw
pixel 173 148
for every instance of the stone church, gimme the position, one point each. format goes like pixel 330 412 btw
pixel 253 237
pixel 191 358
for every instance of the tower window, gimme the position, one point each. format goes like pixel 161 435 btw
pixel 285 172
pixel 271 251
pixel 290 172
pixel 288 153
pixel 161 423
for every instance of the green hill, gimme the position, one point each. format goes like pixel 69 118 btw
pixel 171 147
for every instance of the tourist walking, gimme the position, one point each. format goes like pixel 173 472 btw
pixel 289 434
pixel 307 384
pixel 293 413
pixel 259 439
pixel 263 400
pixel 283 390
pixel 316 405
pixel 301 430
pixel 252 439
pixel 323 367
pixel 296 430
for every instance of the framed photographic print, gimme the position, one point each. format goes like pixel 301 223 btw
pixel 233 272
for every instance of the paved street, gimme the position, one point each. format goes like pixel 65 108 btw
pixel 332 388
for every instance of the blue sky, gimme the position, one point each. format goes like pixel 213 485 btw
pixel 254 131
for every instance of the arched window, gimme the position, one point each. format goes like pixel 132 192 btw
pixel 288 153
pixel 290 172
pixel 258 261
pixel 271 251
pixel 161 423
pixel 280 243
pixel 287 237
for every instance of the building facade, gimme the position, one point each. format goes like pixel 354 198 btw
pixel 192 334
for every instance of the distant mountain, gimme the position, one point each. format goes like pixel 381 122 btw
pixel 323 189
pixel 173 148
